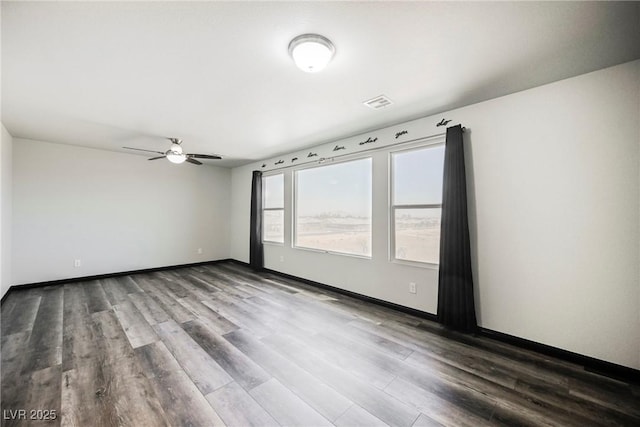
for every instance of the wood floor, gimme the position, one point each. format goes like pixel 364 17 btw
pixel 219 345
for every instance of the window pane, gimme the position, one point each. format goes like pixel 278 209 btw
pixel 273 191
pixel 273 226
pixel 417 234
pixel 418 176
pixel 333 208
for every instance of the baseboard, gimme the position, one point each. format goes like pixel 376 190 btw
pixel 590 364
pixel 105 276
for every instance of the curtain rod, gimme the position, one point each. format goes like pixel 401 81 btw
pixel 368 150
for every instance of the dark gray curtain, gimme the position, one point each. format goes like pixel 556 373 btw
pixel 456 308
pixel 256 251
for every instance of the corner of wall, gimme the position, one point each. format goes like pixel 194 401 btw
pixel 6 206
pixel 637 73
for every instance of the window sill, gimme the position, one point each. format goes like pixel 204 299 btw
pixel 427 265
pixel 322 251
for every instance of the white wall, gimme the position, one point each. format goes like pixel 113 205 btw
pixel 6 144
pixel 113 211
pixel 554 185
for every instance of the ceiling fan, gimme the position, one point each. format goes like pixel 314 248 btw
pixel 175 154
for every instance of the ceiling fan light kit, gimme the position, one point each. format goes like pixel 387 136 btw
pixel 176 158
pixel 311 52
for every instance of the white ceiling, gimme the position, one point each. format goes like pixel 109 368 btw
pixel 217 74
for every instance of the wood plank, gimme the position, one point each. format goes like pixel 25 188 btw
pixel 96 298
pixel 467 362
pixel 241 368
pixel 616 396
pixel 464 354
pixel 486 399
pixel 23 317
pixel 375 401
pixel 586 409
pixel 531 405
pixel 112 343
pixel 129 284
pixel 12 347
pixel 455 354
pixel 324 399
pixel 78 342
pixel 241 270
pixel 11 299
pixel 281 319
pixel 373 312
pixel 45 343
pixel 105 394
pixel 273 319
pixel 43 397
pixel 206 286
pixel 149 308
pixel 181 400
pixel 205 312
pixel 200 274
pixel 110 389
pixel 13 383
pixel 348 359
pixel 282 310
pixel 170 286
pixel 166 302
pixel 138 331
pixel 314 311
pixel 436 407
pixel 237 408
pixel 201 368
pixel 355 416
pixel 80 397
pixel 483 395
pixel 285 407
pixel 198 292
pixel 425 421
pixel 242 317
pixel 114 290
pixel 233 285
pixel 376 341
pixel 346 340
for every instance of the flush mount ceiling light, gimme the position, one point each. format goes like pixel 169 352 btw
pixel 311 52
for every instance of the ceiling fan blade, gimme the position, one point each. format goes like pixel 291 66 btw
pixel 194 161
pixel 204 156
pixel 140 149
pixel 156 158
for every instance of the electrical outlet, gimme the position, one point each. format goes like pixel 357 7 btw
pixel 412 287
pixel 199 251
pixel 77 263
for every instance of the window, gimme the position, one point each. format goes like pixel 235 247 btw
pixel 333 208
pixel 416 204
pixel 273 209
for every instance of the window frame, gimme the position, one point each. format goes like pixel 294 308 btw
pixel 265 209
pixel 294 216
pixel 439 142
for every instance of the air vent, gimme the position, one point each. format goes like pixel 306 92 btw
pixel 378 102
